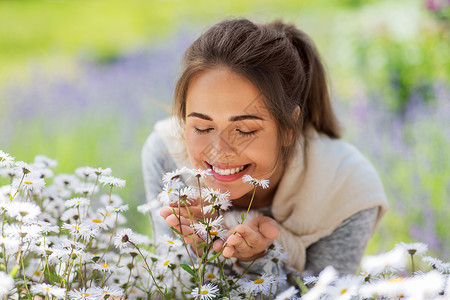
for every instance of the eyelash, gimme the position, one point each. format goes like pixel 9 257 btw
pixel 243 133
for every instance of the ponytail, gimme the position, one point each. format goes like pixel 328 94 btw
pixel 315 105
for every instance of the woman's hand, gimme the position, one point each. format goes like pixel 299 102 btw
pixel 249 241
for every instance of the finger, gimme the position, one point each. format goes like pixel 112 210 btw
pixel 268 228
pixel 250 236
pixel 165 212
pixel 173 220
pixel 184 230
pixel 228 251
pixel 217 245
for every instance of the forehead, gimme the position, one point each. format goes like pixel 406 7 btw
pixel 223 92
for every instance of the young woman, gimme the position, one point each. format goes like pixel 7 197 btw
pixel 253 100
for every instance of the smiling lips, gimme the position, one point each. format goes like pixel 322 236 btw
pixel 228 174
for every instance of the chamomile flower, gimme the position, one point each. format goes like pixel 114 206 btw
pixel 264 183
pixel 171 176
pixel 77 202
pixel 147 207
pixel 98 222
pixel 6 160
pixel 217 198
pixel 288 294
pixel 81 230
pixel 169 242
pixel 105 267
pixel 344 287
pixel 390 261
pixel 326 277
pixel 86 173
pixel 46 227
pixel 48 290
pixel 6 283
pixel 23 168
pixel 117 209
pixel 414 248
pixel 207 292
pixel 109 291
pixel 198 173
pixel 112 181
pixel 67 181
pixel 31 182
pixel 113 200
pixel 260 285
pixel 85 294
pixel 23 211
pixel 42 161
pixel 123 237
pixel 212 227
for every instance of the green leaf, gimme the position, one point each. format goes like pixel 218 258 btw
pixel 176 231
pixel 189 270
pixel 204 244
pixel 215 256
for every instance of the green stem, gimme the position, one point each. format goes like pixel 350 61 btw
pixel 251 201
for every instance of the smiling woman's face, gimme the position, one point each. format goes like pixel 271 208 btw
pixel 230 130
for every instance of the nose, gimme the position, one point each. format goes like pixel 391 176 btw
pixel 225 142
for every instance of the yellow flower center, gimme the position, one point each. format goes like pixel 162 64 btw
pixel 116 207
pixel 47 288
pixel 76 227
pixel 85 294
pixel 258 281
pixel 170 242
pixel 108 214
pixel 204 292
pixel 170 190
pixel 396 279
pixel 214 232
pixel 105 266
pixel 166 263
pixel 343 291
pixel 104 292
pixel 28 182
pixel 96 221
pixel 211 276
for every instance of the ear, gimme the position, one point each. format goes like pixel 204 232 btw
pixel 289 135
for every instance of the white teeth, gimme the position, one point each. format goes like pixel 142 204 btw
pixel 228 171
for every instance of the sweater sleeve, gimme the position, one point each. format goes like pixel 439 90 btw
pixel 155 163
pixel 345 246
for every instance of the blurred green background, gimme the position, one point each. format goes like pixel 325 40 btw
pixel 83 82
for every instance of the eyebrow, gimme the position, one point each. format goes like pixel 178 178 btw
pixel 231 119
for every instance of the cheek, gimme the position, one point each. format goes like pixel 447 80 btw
pixel 197 147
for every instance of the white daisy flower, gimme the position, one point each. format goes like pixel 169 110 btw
pixel 112 181
pixel 42 161
pixel 390 261
pixel 81 230
pixel 9 172
pixel 171 176
pixel 264 183
pixel 213 227
pixel 83 294
pixel 310 280
pixel 217 198
pixel 101 171
pixel 288 294
pixel 6 160
pixel 71 214
pixel 31 182
pixel 114 200
pixel 46 227
pixel 23 211
pixel 260 285
pixel 344 287
pixel 105 267
pixel 10 243
pixel 437 264
pixel 109 291
pixel 68 181
pixel 86 173
pixel 86 188
pixel 208 292
pixel 123 237
pixel 199 173
pixel 98 223
pixel 23 168
pixel 117 209
pixel 6 284
pixel 77 202
pixel 147 207
pixel 169 242
pixel 48 290
pixel 426 286
pixel 326 277
pixel 28 233
pixel 413 248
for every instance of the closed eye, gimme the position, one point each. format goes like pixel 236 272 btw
pixel 202 131
pixel 246 133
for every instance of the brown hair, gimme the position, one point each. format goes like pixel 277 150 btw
pixel 280 60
